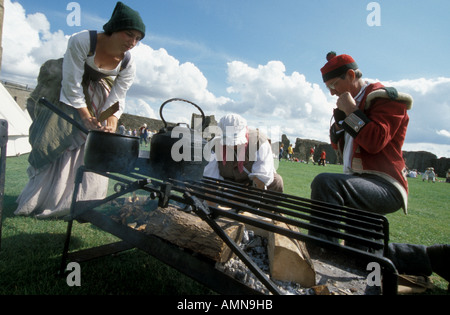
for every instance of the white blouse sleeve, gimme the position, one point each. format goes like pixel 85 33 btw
pixel 73 70
pixel 263 168
pixel 212 168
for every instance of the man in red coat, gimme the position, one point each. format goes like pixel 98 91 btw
pixel 323 158
pixel 369 128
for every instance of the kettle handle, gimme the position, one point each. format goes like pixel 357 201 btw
pixel 182 100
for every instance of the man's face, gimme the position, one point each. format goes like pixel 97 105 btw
pixel 341 84
pixel 337 86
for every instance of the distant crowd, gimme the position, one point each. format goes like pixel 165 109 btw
pixel 143 132
pixel 429 175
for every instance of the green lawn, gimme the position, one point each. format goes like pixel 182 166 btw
pixel 31 249
pixel 428 219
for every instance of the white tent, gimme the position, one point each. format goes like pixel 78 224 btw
pixel 19 122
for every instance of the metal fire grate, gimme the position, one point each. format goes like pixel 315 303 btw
pixel 365 235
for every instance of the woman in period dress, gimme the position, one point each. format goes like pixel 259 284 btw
pixel 80 84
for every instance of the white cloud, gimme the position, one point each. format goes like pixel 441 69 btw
pixel 421 86
pixel 431 110
pixel 160 77
pixel 268 95
pixel 444 133
pixel 141 108
pixel 28 42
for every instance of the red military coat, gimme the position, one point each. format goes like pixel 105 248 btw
pixel 379 129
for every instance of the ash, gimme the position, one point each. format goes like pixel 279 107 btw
pixel 338 275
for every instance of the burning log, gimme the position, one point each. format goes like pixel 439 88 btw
pixel 189 231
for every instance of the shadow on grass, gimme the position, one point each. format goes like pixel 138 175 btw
pixel 31 254
pixel 30 264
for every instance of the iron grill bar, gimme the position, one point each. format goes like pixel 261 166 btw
pixel 263 202
pixel 295 235
pixel 354 212
pixel 341 210
pixel 277 217
pixel 236 203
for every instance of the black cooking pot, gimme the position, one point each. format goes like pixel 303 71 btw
pixel 177 152
pixel 104 151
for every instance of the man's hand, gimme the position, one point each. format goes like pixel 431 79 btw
pixel 258 183
pixel 346 103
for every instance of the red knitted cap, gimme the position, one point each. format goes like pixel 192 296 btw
pixel 337 66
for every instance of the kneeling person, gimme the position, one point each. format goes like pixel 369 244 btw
pixel 245 156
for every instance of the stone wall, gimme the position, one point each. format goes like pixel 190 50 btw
pixel 303 146
pixel 414 160
pixel 19 92
pixel 421 160
pixel 135 122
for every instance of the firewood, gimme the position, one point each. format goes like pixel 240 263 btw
pixel 258 231
pixel 188 231
pixel 321 290
pixel 289 259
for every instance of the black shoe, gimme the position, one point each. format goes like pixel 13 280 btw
pixel 440 260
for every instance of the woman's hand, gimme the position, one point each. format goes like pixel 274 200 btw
pixel 91 123
pixel 111 124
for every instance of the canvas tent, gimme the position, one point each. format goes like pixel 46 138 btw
pixel 19 122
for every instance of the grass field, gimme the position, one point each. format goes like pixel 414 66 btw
pixel 31 249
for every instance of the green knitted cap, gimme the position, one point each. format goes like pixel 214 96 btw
pixel 124 18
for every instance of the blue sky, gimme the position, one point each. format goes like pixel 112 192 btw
pixel 262 58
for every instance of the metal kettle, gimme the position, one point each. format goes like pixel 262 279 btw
pixel 177 152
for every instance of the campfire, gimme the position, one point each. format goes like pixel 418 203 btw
pixel 289 265
pixel 235 238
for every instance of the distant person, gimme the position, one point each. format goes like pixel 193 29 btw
pixel 413 173
pixel 281 151
pixel 143 135
pixel 149 134
pixel 245 156
pixel 311 156
pixel 122 129
pixel 447 178
pixel 429 175
pixel 370 124
pixel 290 152
pixel 323 158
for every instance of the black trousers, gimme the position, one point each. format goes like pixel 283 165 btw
pixel 364 191
pixel 371 193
